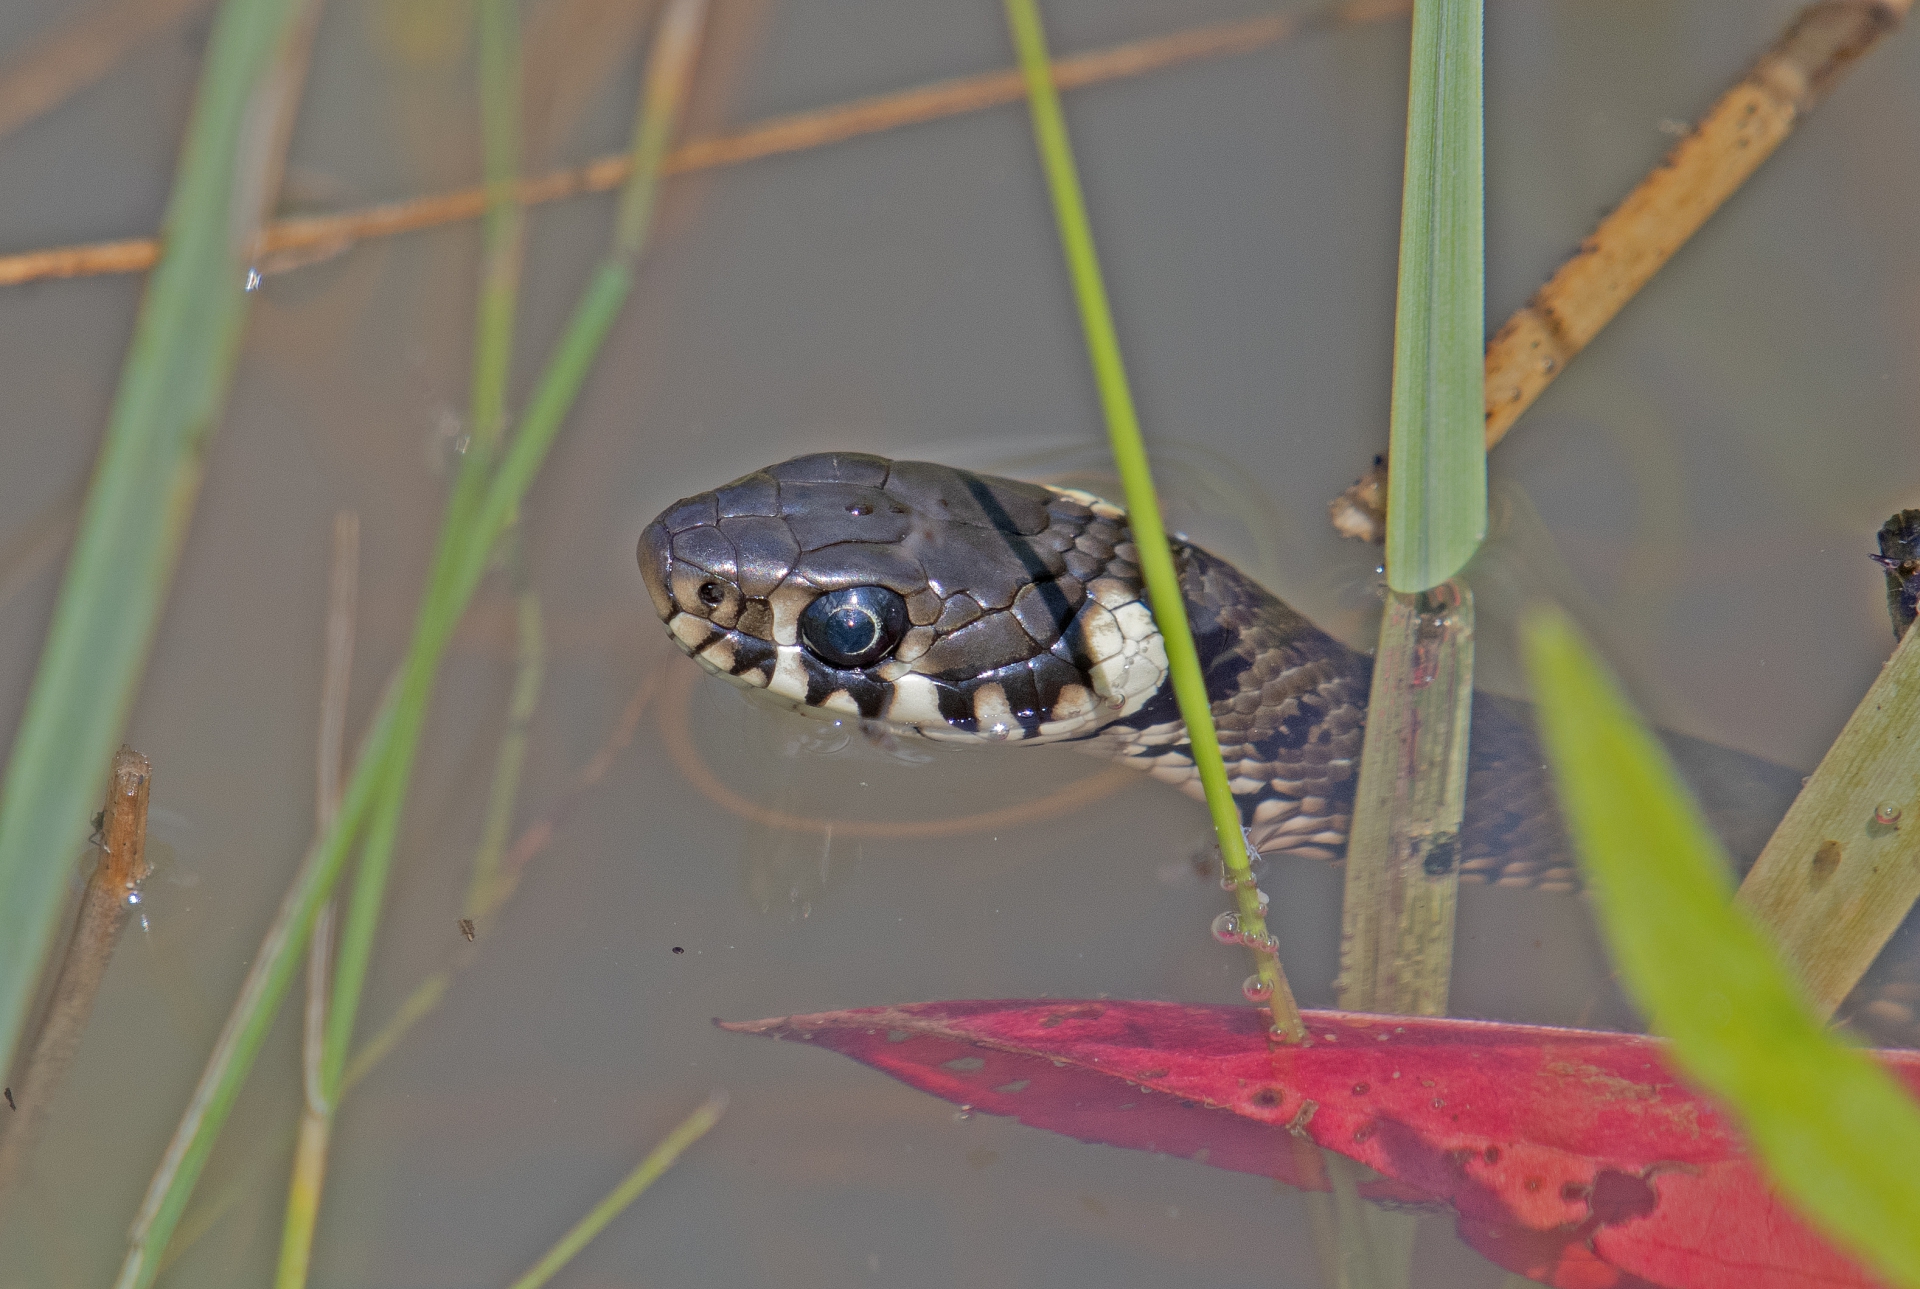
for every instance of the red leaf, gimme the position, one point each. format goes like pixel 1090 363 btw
pixel 1573 1157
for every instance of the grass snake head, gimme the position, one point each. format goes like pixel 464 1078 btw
pixel 929 599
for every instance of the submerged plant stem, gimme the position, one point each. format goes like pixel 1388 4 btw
pixel 658 1161
pixel 510 759
pixel 316 1107
pixel 1403 874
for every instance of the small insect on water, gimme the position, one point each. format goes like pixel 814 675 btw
pixel 466 927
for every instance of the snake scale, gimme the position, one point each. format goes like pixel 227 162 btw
pixel 933 601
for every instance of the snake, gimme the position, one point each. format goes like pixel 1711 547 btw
pixel 927 601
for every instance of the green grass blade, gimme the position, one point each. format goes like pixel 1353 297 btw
pixel 1143 508
pixel 461 557
pixel 1436 459
pixel 1837 1135
pixel 658 1161
pixel 172 391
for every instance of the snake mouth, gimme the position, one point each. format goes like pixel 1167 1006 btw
pixel 925 599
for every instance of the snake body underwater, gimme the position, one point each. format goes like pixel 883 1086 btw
pixel 933 601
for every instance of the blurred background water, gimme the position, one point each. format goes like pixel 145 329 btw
pixel 1703 485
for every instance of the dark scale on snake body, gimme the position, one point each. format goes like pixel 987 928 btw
pixel 927 600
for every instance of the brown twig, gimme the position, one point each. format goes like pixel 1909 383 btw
pixel 112 889
pixel 1676 198
pixel 63 62
pixel 293 242
pixel 1666 208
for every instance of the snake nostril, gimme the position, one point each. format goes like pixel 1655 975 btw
pixel 712 594
pixel 859 508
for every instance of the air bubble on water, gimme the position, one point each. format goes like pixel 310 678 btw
pixel 133 897
pixel 963 1114
pixel 999 730
pixel 1226 928
pixel 253 278
pixel 1255 989
pixel 822 740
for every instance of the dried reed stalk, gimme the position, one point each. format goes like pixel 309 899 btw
pixel 1676 198
pixel 291 243
pixel 1666 208
pixel 111 891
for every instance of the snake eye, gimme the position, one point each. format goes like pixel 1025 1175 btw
pixel 853 627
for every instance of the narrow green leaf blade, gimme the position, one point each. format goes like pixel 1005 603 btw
pixel 1136 478
pixel 1835 1132
pixel 1437 460
pixel 172 390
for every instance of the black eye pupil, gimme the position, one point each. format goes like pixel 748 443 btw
pixel 711 594
pixel 856 626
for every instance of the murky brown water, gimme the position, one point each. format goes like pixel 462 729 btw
pixel 1710 474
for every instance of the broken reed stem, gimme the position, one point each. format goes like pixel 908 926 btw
pixel 1694 179
pixel 1164 596
pixel 316 1109
pixel 1403 872
pixel 113 888
pixel 658 1161
pixel 1842 870
pixel 292 243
